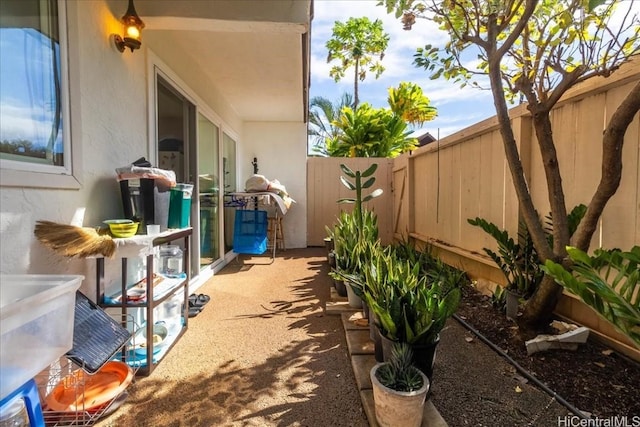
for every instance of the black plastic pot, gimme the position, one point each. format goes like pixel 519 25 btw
pixel 340 287
pixel 423 355
pixel 331 257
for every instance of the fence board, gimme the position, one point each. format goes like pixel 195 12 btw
pixel 324 189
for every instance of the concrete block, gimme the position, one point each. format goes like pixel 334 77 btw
pixel 566 341
pixel 358 342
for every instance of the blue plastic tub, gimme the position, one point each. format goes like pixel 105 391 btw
pixel 250 232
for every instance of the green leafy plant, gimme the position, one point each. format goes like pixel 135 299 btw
pixel 357 185
pixel 370 132
pixel 499 299
pixel 408 308
pixel 518 262
pixel 536 51
pixel 409 102
pixel 608 282
pixel 353 230
pixel 356 43
pixel 399 372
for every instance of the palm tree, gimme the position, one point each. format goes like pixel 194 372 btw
pixel 322 115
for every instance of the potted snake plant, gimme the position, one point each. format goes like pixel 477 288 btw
pixel 409 307
pixel 353 230
pixel 399 389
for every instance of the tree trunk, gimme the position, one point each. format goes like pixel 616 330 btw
pixel 355 86
pixel 539 308
pixel 555 191
pixel 537 312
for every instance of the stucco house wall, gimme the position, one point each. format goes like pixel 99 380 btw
pixel 281 156
pixel 111 106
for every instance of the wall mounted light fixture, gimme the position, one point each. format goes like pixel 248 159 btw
pixel 133 26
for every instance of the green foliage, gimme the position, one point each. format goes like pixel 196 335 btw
pixel 608 282
pixel 357 43
pixel 399 373
pixel 322 114
pixel 353 231
pixel 535 51
pixel 370 132
pixel 519 262
pixel 499 299
pixel 357 185
pixel 409 102
pixel 552 42
pixel 409 308
pixel 345 240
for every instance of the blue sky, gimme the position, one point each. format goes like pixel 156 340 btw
pixel 457 108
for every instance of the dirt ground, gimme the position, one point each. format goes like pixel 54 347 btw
pixel 592 379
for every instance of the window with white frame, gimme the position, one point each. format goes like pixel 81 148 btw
pixel 33 94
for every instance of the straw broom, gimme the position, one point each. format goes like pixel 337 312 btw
pixel 72 241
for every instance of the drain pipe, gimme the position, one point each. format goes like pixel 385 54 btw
pixel 522 370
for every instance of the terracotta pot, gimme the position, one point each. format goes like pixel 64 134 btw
pixel 398 408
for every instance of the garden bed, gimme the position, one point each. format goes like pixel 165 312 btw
pixel 593 379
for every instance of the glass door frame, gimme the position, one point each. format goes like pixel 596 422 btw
pixel 156 67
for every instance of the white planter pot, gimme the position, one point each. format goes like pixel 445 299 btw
pixel 397 408
pixel 354 300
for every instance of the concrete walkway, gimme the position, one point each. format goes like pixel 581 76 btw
pixel 262 353
pixel 362 352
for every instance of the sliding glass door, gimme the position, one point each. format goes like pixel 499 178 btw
pixel 230 186
pixel 200 153
pixel 209 192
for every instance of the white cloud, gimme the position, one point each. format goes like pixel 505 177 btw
pixel 19 123
pixel 456 106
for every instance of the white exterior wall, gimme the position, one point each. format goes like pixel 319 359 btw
pixel 110 128
pixel 281 150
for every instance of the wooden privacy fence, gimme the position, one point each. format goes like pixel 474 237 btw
pixel 324 189
pixel 466 175
pixel 431 193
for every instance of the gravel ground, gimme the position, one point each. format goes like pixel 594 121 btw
pixel 473 386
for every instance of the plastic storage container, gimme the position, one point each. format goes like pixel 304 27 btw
pixel 36 325
pixel 169 313
pixel 180 206
pixel 171 260
pixel 250 232
pixel 22 407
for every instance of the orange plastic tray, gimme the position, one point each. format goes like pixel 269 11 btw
pixel 99 388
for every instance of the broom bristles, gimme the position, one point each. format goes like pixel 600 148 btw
pixel 72 241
